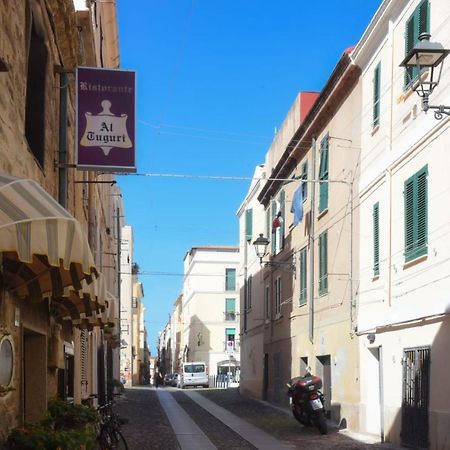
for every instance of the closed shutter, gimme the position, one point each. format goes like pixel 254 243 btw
pixel 323 174
pixel 416 215
pixel 303 276
pixel 376 239
pixel 274 233
pixel 419 22
pixel 283 216
pixel 248 224
pixel 84 362
pixel 376 95
pixel 304 176
pixel 323 263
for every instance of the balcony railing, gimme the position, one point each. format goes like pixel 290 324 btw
pixel 230 316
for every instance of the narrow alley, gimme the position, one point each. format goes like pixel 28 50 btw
pixel 170 419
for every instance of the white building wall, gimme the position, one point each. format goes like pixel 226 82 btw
pixel 126 312
pixel 405 306
pixel 203 304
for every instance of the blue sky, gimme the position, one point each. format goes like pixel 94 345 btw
pixel 214 81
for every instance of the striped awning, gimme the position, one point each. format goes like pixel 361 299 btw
pixel 43 249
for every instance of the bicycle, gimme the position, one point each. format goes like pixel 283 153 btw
pixel 109 436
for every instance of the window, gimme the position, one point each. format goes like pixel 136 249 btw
pixel 376 239
pixel 278 216
pixel 35 95
pixel 323 174
pixel 416 215
pixel 376 95
pixel 323 263
pixel 304 176
pixel 248 224
pixel 303 276
pixel 230 279
pixel 419 22
pixel 230 334
pixel 277 297
pixel 230 309
pixel 266 302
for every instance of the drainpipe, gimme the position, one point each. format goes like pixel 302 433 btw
pixel 311 245
pixel 62 153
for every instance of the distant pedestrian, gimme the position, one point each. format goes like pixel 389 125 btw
pixel 158 379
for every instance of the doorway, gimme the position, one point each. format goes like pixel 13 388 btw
pixel 416 397
pixel 323 370
pixel 34 378
pixel 374 390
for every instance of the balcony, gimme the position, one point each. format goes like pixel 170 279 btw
pixel 230 316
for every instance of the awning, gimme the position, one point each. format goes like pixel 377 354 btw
pixel 43 249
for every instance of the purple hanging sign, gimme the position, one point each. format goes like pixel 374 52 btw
pixel 106 119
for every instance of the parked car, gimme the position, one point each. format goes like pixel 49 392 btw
pixel 193 374
pixel 174 380
pixel 168 379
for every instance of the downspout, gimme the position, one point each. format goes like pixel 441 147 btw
pixel 311 244
pixel 62 152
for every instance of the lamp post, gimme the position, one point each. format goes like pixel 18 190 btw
pixel 429 56
pixel 261 244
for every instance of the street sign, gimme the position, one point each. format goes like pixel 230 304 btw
pixel 230 347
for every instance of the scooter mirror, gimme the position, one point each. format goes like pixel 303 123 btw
pixel 289 385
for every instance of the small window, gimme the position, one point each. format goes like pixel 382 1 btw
pixel 230 279
pixel 376 95
pixel 323 263
pixel 323 174
pixel 418 23
pixel 376 239
pixel 35 94
pixel 278 223
pixel 303 276
pixel 304 176
pixel 248 224
pixel 416 215
pixel 230 309
pixel 277 296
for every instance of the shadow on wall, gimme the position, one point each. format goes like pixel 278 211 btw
pixel 199 341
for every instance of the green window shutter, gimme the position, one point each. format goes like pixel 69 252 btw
pixel 283 217
pixel 304 176
pixel 416 215
pixel 303 276
pixel 323 263
pixel 419 22
pixel 230 279
pixel 230 331
pixel 273 240
pixel 376 239
pixel 248 224
pixel 230 305
pixel 376 95
pixel 323 174
pixel 268 222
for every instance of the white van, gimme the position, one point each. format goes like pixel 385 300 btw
pixel 193 374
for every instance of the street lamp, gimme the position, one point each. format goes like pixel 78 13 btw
pixel 261 244
pixel 426 55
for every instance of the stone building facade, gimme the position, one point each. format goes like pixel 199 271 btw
pixel 58 266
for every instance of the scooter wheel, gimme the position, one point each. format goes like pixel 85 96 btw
pixel 322 423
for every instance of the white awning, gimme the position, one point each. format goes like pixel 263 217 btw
pixel 44 251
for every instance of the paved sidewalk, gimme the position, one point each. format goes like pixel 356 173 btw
pixel 254 435
pixel 189 435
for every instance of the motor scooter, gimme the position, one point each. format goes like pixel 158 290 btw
pixel 307 402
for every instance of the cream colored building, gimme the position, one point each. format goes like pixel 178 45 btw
pixel 58 266
pixel 403 302
pixel 210 297
pixel 308 316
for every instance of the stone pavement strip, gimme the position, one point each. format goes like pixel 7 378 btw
pixel 189 435
pixel 254 435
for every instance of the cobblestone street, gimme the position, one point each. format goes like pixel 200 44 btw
pixel 148 426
